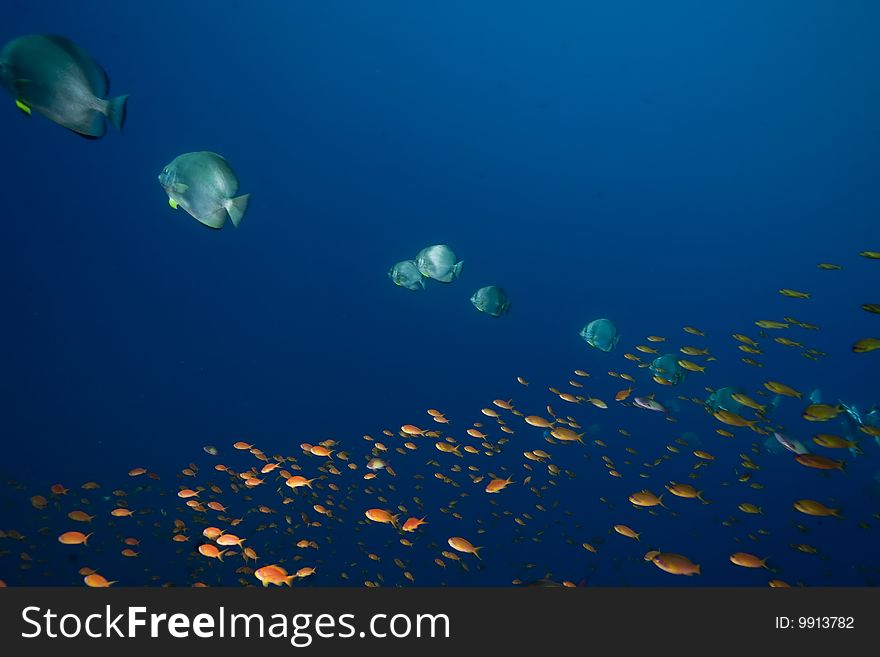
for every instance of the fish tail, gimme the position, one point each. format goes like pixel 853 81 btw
pixel 477 552
pixel 456 270
pixel 236 208
pixel 117 110
pixel 289 579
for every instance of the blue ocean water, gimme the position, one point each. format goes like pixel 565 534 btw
pixel 662 166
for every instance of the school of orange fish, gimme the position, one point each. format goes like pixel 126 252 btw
pixel 230 514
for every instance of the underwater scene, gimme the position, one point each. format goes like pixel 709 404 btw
pixel 440 293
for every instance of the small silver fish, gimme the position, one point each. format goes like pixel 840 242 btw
pixel 649 404
pixel 438 262
pixel 406 274
pixel 790 444
pixel 491 300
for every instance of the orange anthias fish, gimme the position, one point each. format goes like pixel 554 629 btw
pixel 273 575
pixel 211 551
pixel 74 538
pixel 97 581
pixel 463 545
pixel 497 485
pixel 622 394
pixel 412 524
pixel 381 516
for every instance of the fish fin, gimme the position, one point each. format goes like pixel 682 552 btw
pixel 236 208
pixel 215 220
pixel 86 135
pixel 96 129
pixel 117 110
pixel 23 107
pixel 172 203
pixel 456 270
pixel 179 187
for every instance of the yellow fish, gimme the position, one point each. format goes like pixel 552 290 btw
pixel 794 294
pixel 865 345
pixel 746 507
pixel 836 442
pixel 821 412
pixel 733 419
pixel 693 367
pixel 814 508
pixel 782 389
pixel 745 400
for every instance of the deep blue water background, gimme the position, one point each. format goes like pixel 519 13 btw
pixel 661 166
